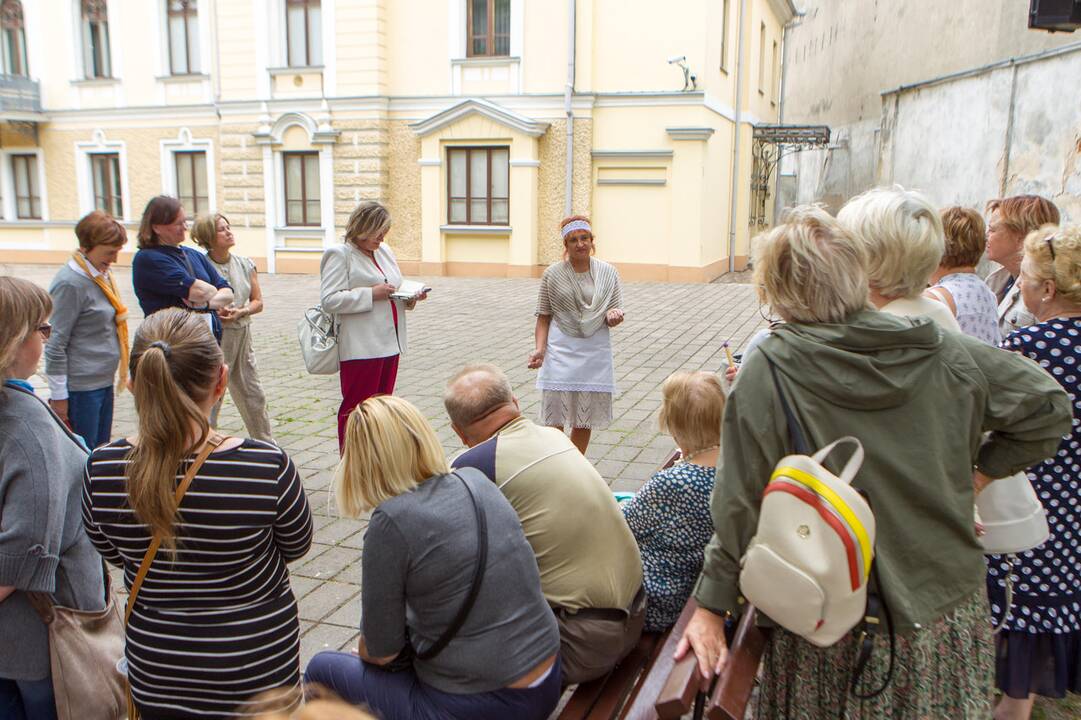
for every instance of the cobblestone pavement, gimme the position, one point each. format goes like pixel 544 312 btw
pixel 668 328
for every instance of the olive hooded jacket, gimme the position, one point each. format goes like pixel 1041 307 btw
pixel 928 407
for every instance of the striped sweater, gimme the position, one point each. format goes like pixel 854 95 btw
pixel 218 624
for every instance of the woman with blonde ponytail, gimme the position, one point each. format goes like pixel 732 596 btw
pixel 214 621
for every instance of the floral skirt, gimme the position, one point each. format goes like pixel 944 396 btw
pixel 941 671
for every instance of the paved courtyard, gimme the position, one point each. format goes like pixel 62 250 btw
pixel 668 328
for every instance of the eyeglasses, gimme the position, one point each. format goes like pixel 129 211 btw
pixel 45 329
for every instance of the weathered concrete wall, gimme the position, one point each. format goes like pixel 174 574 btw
pixel 842 54
pixel 965 141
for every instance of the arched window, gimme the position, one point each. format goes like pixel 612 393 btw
pixel 96 61
pixel 183 36
pixel 13 39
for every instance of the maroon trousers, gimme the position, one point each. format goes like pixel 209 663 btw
pixel 360 380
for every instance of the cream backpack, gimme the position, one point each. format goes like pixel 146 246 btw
pixel 807 567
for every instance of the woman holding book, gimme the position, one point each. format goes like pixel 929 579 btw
pixel 357 280
pixel 580 299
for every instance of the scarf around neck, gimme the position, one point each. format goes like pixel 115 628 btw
pixel 572 312
pixel 108 286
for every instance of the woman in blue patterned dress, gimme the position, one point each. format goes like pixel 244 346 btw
pixel 956 283
pixel 1039 650
pixel 670 516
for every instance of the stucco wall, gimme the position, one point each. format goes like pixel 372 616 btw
pixel 552 150
pixel 842 54
pixel 964 142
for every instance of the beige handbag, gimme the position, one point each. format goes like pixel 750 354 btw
pixel 84 649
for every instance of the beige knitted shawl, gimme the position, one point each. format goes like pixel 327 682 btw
pixel 561 297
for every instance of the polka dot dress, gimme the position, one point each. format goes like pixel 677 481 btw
pixel 670 520
pixel 1047 580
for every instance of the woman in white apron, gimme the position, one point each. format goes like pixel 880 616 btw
pixel 584 297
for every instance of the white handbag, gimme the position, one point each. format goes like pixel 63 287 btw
pixel 317 332
pixel 1012 516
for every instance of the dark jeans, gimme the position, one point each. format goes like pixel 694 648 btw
pixel 402 696
pixel 27 699
pixel 91 414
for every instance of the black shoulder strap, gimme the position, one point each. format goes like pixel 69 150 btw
pixel 478 576
pixel 795 433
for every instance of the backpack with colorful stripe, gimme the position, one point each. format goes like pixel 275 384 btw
pixel 808 565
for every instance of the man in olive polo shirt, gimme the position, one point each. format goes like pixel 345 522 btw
pixel 590 569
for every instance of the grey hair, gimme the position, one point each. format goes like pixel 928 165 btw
pixel 474 391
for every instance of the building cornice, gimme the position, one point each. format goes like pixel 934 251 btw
pixel 689 133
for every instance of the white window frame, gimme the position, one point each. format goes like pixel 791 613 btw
pixel 458 39
pixel 7 185
pixel 271 45
pixel 202 20
pixel 79 73
pixel 99 144
pixel 185 142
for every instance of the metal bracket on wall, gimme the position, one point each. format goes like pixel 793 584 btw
pixel 769 143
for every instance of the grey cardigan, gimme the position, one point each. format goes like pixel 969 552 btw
pixel 83 345
pixel 43 547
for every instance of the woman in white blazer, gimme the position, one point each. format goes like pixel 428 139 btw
pixel 356 281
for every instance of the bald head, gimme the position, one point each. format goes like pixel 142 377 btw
pixel 474 395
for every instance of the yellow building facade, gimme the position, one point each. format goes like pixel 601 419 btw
pixel 479 123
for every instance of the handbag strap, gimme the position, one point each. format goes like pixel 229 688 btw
pixel 474 588
pixel 213 441
pixel 795 432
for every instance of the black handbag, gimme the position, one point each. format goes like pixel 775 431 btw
pixel 404 659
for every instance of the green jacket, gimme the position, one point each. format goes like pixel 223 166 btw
pixel 920 400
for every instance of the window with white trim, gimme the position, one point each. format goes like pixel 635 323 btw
pixel 478 185
pixel 301 186
pixel 182 18
pixel 13 38
pixel 191 181
pixel 105 176
pixel 488 28
pixel 26 186
pixel 303 33
pixel 95 27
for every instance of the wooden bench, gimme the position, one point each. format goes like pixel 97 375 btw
pixel 649 684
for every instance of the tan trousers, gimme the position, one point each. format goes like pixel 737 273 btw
pixel 590 646
pixel 244 387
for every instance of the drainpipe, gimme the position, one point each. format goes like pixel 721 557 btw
pixel 796 20
pixel 736 141
pixel 568 95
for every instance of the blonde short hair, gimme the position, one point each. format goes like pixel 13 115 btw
pixel 205 230
pixel 369 219
pixel 810 269
pixel 903 235
pixel 691 408
pixel 390 448
pixel 1064 269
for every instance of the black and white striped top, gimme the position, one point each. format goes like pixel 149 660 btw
pixel 217 624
